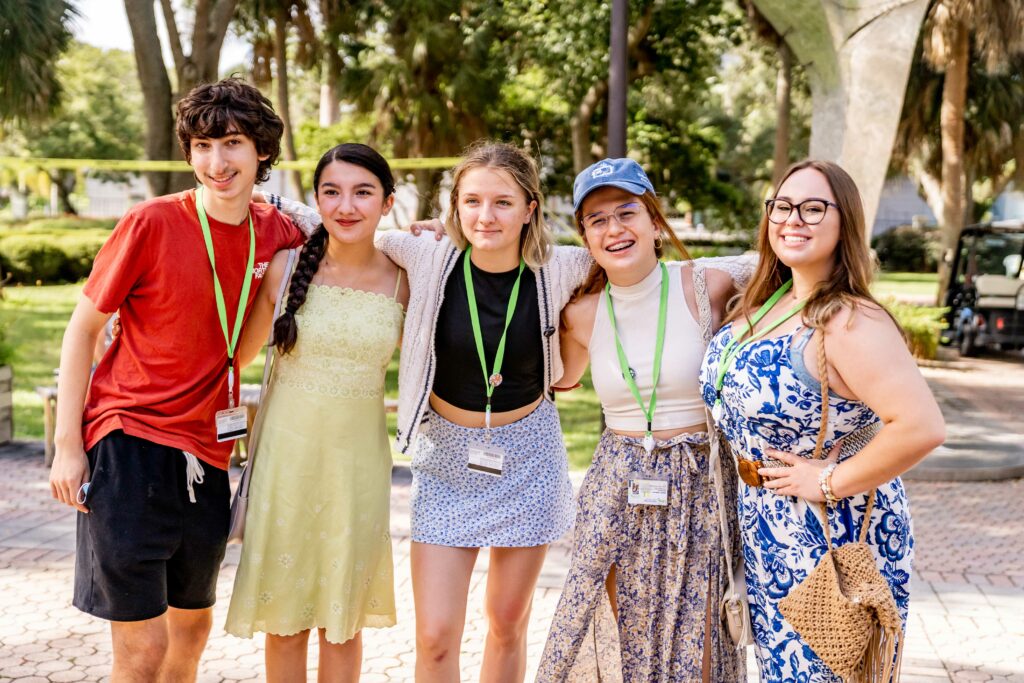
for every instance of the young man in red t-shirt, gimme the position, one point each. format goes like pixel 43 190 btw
pixel 138 450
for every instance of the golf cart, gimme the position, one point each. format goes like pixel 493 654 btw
pixel 986 291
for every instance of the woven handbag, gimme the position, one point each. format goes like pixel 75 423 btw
pixel 844 610
pixel 240 501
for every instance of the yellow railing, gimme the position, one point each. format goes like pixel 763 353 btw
pixel 28 163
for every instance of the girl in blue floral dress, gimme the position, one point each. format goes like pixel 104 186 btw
pixel 761 377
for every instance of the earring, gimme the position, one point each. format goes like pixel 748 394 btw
pixel 658 242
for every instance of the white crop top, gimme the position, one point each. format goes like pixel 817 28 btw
pixel 636 313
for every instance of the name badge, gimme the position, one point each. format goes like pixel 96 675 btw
pixel 649 490
pixel 232 423
pixel 486 458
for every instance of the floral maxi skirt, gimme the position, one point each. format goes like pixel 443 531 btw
pixel 669 570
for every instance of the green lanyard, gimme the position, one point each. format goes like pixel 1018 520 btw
pixel 733 347
pixel 659 345
pixel 232 340
pixel 491 379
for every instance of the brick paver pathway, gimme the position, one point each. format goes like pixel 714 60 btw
pixel 967 610
pixel 967 598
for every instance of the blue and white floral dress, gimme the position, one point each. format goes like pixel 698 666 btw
pixel 770 400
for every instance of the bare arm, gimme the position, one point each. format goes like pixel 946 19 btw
pixel 873 362
pixel 257 325
pixel 575 329
pixel 868 360
pixel 70 466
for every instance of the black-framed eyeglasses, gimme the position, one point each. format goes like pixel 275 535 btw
pixel 811 211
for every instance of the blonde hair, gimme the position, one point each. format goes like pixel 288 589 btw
pixel 536 242
pixel 849 283
pixel 597 278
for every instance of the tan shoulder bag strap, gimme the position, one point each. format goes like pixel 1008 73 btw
pixel 819 446
pixel 268 364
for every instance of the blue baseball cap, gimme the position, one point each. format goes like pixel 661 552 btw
pixel 622 173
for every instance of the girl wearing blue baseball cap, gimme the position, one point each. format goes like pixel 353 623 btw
pixel 649 521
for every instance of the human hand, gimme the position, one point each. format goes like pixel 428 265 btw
pixel 258 197
pixel 800 478
pixel 431 224
pixel 69 472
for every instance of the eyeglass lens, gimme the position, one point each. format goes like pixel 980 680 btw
pixel 624 214
pixel 811 211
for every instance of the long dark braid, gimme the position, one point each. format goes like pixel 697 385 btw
pixel 286 330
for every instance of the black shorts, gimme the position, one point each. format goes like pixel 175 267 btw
pixel 144 546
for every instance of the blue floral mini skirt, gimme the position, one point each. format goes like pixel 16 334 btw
pixel 529 504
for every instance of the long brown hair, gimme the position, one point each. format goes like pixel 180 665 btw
pixel 597 278
pixel 850 281
pixel 535 242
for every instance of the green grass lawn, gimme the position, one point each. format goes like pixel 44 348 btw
pixel 910 287
pixel 36 317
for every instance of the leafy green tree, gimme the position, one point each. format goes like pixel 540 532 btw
pixel 32 37
pixel 953 30
pixel 993 134
pixel 195 61
pixel 95 121
pixel 271 44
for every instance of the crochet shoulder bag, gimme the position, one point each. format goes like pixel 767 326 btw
pixel 844 610
pixel 240 501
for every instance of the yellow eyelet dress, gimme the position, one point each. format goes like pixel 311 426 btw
pixel 317 550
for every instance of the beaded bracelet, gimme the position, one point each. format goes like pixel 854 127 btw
pixel 825 482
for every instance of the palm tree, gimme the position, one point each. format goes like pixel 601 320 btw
pixel 271 45
pixel 429 81
pixel 32 37
pixel 993 132
pixel 994 31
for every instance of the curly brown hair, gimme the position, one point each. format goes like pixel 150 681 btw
pixel 212 110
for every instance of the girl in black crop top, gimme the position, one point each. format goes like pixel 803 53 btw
pixel 457 380
pixel 465 497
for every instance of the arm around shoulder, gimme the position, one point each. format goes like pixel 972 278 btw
pixel 577 324
pixel 260 319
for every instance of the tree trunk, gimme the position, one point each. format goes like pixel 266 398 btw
pixel 65 183
pixel 156 90
pixel 281 60
pixel 968 216
pixel 954 96
pixel 580 125
pixel 427 182
pixel 329 111
pixel 783 87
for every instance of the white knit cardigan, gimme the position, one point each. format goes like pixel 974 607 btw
pixel 428 264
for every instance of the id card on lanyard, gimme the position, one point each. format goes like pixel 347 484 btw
pixel 644 488
pixel 231 423
pixel 486 457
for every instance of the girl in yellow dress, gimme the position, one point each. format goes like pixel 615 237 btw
pixel 317 550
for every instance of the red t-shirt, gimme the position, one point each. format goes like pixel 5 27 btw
pixel 165 375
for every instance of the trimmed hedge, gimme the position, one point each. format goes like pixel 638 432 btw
pixel 34 254
pixel 921 324
pixel 908 249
